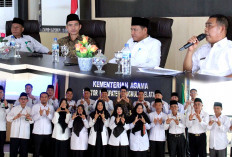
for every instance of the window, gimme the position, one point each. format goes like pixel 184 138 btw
pixel 5 3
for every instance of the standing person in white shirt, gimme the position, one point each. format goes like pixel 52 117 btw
pixel 139 124
pixel 197 124
pixel 175 123
pixel 20 118
pixel 79 139
pixel 214 58
pixel 146 104
pixel 52 100
pixel 32 100
pixel 98 137
pixel 42 115
pixel 61 132
pixel 188 106
pixel 71 103
pixel 87 102
pixel 219 126
pixel 158 95
pixel 157 133
pixel 175 97
pixel 118 139
pixel 145 50
pixel 28 44
pixel 4 109
pixel 109 103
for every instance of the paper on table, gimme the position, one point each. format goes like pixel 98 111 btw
pixel 159 71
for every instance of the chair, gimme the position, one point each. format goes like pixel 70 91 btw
pixel 161 29
pixel 96 29
pixel 229 30
pixel 31 27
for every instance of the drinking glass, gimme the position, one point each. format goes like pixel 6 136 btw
pixel 118 59
pixel 17 48
pixel 64 52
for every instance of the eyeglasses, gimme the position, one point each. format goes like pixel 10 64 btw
pixel 23 98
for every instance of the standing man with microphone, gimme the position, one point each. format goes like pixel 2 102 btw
pixel 214 58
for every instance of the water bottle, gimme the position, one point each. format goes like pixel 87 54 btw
pixel 126 60
pixel 55 51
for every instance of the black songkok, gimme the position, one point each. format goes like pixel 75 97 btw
pixel 1 88
pixel 158 92
pixel 23 94
pixel 197 100
pixel 174 94
pixel 18 21
pixel 173 102
pixel 87 89
pixel 158 100
pixel 140 21
pixel 218 104
pixel 72 17
pixel 50 86
pixel 103 90
pixel 69 90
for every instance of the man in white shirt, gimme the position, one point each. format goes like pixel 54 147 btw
pixel 71 103
pixel 174 96
pixel 146 104
pixel 145 50
pixel 42 115
pixel 197 124
pixel 52 100
pixel 108 103
pixel 20 118
pixel 31 98
pixel 87 102
pixel 219 126
pixel 175 123
pixel 4 109
pixel 28 44
pixel 214 58
pixel 158 95
pixel 157 132
pixel 188 106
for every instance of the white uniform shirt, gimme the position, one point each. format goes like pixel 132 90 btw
pixel 218 134
pixel 173 127
pixel 81 142
pixel 93 133
pixel 145 53
pixel 157 132
pixel 109 106
pixel 88 108
pixel 33 44
pixel 216 60
pixel 54 103
pixel 57 131
pixel 180 108
pixel 20 127
pixel 138 142
pixel 71 104
pixel 196 127
pixel 42 124
pixel 30 102
pixel 122 139
pixel 3 113
pixel 165 107
pixel 144 107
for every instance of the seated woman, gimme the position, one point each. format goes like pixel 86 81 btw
pixel 61 132
pixel 139 123
pixel 79 138
pixel 98 138
pixel 118 139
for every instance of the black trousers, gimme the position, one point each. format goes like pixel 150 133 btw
pixel 61 148
pixel 176 144
pixel 187 143
pixel 42 142
pixel 197 145
pixel 139 153
pixel 18 146
pixel 2 142
pixel 157 148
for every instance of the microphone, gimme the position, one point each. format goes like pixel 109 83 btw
pixel 199 38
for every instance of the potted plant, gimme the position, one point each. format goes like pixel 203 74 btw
pixel 85 53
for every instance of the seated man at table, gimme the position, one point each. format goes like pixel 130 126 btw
pixel 28 44
pixel 215 57
pixel 145 50
pixel 73 27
